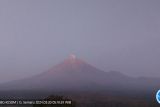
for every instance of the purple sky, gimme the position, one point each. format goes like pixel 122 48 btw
pixel 121 35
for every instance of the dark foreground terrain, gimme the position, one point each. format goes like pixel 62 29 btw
pixel 87 99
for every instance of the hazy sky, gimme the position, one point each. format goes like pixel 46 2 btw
pixel 121 35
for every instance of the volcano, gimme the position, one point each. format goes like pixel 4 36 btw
pixel 75 74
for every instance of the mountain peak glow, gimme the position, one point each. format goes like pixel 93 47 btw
pixel 72 56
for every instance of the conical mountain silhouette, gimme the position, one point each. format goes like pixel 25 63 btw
pixel 76 74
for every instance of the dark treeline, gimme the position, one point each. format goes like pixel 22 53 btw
pixel 96 101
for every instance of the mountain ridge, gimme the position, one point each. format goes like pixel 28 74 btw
pixel 76 74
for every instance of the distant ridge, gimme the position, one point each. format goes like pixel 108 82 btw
pixel 75 74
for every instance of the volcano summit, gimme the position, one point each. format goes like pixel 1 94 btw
pixel 74 74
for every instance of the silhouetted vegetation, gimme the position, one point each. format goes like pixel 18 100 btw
pixel 97 100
